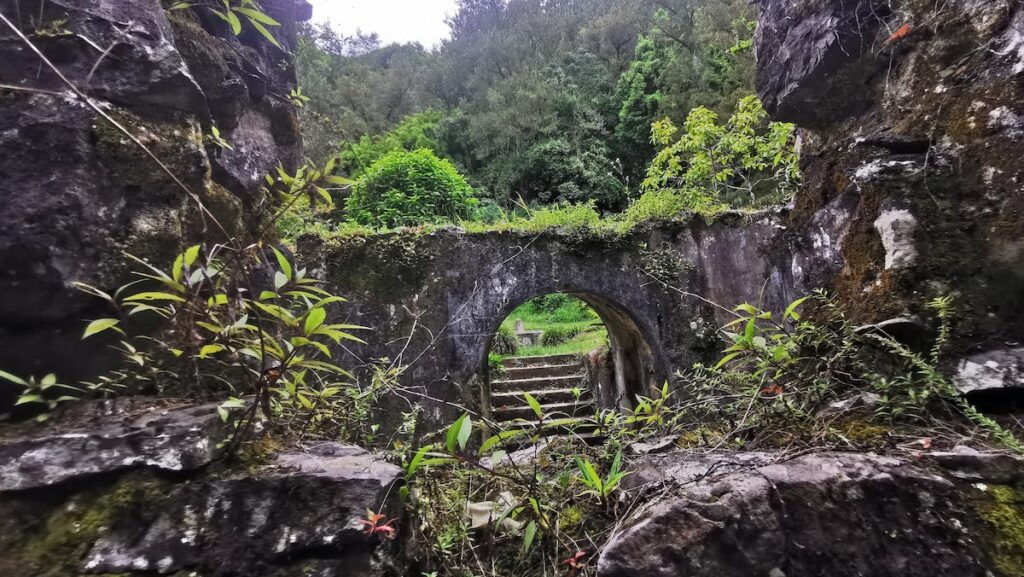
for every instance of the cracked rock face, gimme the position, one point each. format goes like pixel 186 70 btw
pixel 304 505
pixel 77 193
pixel 917 135
pixel 751 514
pixel 991 370
pixel 182 439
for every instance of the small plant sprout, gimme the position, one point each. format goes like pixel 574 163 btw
pixel 234 12
pixel 215 139
pixel 374 524
pixel 297 98
pixel 601 488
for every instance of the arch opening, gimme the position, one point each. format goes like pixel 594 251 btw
pixel 575 352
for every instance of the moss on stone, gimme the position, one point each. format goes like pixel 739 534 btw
pixel 58 545
pixel 1003 513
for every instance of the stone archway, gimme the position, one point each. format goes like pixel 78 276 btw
pixel 435 299
pixel 634 365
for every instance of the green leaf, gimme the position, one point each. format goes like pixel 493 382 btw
pixel 528 536
pixel 12 378
pixel 455 432
pixel 493 441
pixel 208 350
pixel 791 309
pixel 257 16
pixel 232 19
pixel 725 360
pixel 464 432
pixel 749 330
pixel 314 319
pixel 282 261
pixel 191 254
pixel 100 325
pixel 26 399
pixel 535 405
pixel 154 296
pixel 266 33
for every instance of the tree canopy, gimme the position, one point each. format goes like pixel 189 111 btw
pixel 539 101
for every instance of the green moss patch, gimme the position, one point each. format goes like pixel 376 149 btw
pixel 57 545
pixel 1003 512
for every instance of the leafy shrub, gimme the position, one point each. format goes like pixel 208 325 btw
pixel 505 342
pixel 575 217
pixel 747 161
pixel 414 132
pixel 410 188
pixel 494 366
pixel 555 336
pixel 655 205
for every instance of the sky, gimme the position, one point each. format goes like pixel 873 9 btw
pixel 394 20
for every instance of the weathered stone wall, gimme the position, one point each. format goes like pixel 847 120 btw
pixel 75 192
pixel 913 132
pixel 433 300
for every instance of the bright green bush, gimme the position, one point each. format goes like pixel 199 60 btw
pixel 559 335
pixel 414 132
pixel 747 161
pixel 410 188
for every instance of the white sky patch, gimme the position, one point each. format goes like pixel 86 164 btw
pixel 420 21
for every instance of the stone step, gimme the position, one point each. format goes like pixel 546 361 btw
pixel 515 398
pixel 535 384
pixel 554 410
pixel 563 370
pixel 540 360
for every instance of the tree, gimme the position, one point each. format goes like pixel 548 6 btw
pixel 747 161
pixel 410 188
pixel 414 132
pixel 639 98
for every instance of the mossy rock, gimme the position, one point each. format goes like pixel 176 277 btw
pixel 43 538
pixel 1002 511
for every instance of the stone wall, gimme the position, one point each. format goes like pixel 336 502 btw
pixel 912 133
pixel 75 192
pixel 433 300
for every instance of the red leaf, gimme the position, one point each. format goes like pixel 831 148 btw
pixel 900 32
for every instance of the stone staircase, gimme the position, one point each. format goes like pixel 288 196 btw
pixel 556 381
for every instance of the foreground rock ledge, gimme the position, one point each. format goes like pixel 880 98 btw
pixel 305 505
pixel 835 514
pixel 171 439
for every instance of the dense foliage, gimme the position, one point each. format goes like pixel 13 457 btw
pixel 748 160
pixel 410 188
pixel 546 101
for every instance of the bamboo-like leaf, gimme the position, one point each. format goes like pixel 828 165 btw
pixel 455 432
pixel 154 296
pixel 528 536
pixel 791 309
pixel 26 399
pixel 233 21
pixel 535 405
pixel 191 254
pixel 13 378
pixel 282 261
pixel 100 325
pixel 725 360
pixel 258 16
pixel 493 441
pixel 266 33
pixel 314 319
pixel 208 350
